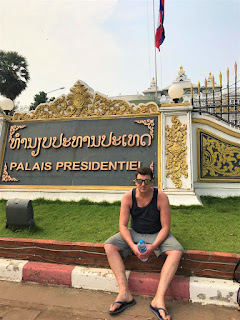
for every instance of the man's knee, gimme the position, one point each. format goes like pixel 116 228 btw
pixel 175 254
pixel 110 248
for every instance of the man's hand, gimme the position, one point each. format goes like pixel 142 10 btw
pixel 144 255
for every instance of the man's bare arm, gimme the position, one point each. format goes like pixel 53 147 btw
pixel 123 222
pixel 124 218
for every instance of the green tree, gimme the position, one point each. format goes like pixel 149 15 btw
pixel 14 74
pixel 39 98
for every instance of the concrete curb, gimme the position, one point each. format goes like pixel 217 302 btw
pixel 195 289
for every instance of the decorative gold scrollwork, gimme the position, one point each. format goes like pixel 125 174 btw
pixel 6 177
pixel 13 129
pixel 176 151
pixel 83 102
pixel 149 123
pixel 152 166
pixel 219 158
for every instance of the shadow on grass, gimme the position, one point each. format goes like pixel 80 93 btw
pixel 26 230
pixel 42 201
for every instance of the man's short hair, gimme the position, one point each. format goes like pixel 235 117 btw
pixel 144 171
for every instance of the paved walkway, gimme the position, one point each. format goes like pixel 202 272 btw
pixel 25 301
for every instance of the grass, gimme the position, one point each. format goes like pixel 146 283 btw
pixel 211 227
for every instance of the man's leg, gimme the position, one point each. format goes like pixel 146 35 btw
pixel 117 265
pixel 167 273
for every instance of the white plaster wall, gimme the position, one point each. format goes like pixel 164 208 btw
pixel 64 195
pixel 191 188
pixel 218 189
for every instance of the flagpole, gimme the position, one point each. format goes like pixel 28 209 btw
pixel 155 50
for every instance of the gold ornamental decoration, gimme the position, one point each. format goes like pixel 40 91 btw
pixel 219 158
pixel 176 151
pixel 13 129
pixel 84 102
pixel 152 166
pixel 149 124
pixel 6 177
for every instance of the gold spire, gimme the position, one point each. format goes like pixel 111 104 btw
pixel 206 84
pixel 220 78
pixel 181 70
pixel 235 68
pixel 227 75
pixel 191 90
pixel 213 82
pixel 199 88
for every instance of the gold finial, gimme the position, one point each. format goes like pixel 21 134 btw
pixel 210 74
pixel 191 91
pixel 199 88
pixel 227 75
pixel 206 84
pixel 153 79
pixel 220 78
pixel 213 82
pixel 181 70
pixel 235 68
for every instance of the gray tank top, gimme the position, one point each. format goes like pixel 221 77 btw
pixel 145 219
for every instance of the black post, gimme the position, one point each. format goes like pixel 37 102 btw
pixel 221 104
pixel 206 94
pixel 236 107
pixel 214 111
pixel 228 95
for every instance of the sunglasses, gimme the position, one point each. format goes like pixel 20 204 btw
pixel 146 181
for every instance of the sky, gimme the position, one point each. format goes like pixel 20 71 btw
pixel 109 44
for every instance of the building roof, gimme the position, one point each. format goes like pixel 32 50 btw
pixel 152 87
pixel 183 80
pixel 210 82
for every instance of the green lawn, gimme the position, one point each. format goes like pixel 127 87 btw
pixel 213 226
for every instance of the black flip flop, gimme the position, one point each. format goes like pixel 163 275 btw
pixel 123 306
pixel 157 313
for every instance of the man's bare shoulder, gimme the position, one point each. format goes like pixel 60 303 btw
pixel 162 197
pixel 127 197
pixel 162 194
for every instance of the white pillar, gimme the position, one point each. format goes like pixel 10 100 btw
pixel 177 169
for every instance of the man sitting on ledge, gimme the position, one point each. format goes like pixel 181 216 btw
pixel 150 221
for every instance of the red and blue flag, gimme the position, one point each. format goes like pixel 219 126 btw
pixel 160 33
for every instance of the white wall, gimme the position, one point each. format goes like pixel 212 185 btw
pixel 223 130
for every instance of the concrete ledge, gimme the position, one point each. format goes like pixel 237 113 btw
pixel 95 279
pixel 213 291
pixel 195 289
pixel 48 273
pixel 147 284
pixel 183 197
pixel 11 270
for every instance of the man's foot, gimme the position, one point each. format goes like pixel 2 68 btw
pixel 125 297
pixel 121 306
pixel 161 313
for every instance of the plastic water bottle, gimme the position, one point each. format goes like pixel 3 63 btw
pixel 142 247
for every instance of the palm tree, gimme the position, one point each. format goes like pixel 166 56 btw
pixel 14 74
